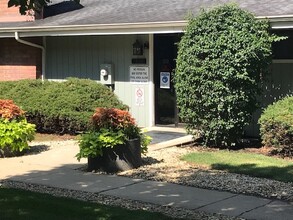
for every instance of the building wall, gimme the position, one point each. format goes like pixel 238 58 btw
pixel 19 61
pixel 12 14
pixel 81 56
pixel 279 84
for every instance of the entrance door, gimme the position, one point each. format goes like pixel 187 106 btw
pixel 165 53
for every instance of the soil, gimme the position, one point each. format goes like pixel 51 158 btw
pixel 41 137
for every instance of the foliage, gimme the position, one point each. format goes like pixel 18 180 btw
pixel 23 205
pixel 59 107
pixel 26 5
pixel 10 111
pixel 15 132
pixel 145 140
pixel 116 120
pixel 110 127
pixel 276 126
pixel 251 164
pixel 14 135
pixel 222 57
pixel 91 144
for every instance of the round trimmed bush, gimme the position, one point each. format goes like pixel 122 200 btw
pixel 276 126
pixel 222 56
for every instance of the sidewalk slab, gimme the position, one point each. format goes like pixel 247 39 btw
pixel 276 210
pixel 169 194
pixel 235 206
pixel 76 180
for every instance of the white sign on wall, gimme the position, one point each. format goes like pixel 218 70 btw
pixel 139 96
pixel 165 80
pixel 139 74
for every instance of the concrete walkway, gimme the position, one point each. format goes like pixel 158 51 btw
pixel 57 168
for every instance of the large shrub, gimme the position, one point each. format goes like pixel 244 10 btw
pixel 15 132
pixel 60 107
pixel 276 126
pixel 221 58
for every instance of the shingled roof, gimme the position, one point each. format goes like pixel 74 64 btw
pixel 115 12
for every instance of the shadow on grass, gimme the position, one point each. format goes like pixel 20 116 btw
pixel 20 204
pixel 284 174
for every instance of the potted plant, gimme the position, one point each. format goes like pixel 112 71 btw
pixel 114 142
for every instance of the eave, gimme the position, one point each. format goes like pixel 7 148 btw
pixel 99 29
pixel 280 22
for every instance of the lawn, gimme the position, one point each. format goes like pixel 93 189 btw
pixel 251 164
pixel 20 204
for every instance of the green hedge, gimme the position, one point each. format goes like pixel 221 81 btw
pixel 59 107
pixel 276 125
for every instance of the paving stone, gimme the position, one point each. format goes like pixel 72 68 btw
pixel 276 210
pixel 168 194
pixel 235 206
pixel 76 180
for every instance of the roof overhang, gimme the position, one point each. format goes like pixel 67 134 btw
pixel 280 22
pixel 277 22
pixel 100 29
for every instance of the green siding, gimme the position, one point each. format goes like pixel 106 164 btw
pixel 279 84
pixel 81 56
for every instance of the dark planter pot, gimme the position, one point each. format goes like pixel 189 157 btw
pixel 120 158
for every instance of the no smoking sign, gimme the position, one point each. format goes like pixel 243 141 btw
pixel 139 96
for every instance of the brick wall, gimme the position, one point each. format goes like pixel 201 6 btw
pixel 19 61
pixel 12 14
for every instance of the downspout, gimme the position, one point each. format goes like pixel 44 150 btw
pixel 37 46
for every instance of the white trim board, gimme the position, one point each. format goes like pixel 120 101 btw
pixel 283 61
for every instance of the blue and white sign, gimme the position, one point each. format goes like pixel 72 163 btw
pixel 165 80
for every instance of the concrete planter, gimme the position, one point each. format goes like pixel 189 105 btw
pixel 119 158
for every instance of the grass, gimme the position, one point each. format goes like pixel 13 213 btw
pixel 252 164
pixel 20 204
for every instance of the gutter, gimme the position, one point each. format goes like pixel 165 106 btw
pixel 279 22
pixel 96 29
pixel 16 36
pixel 277 17
pixel 99 26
